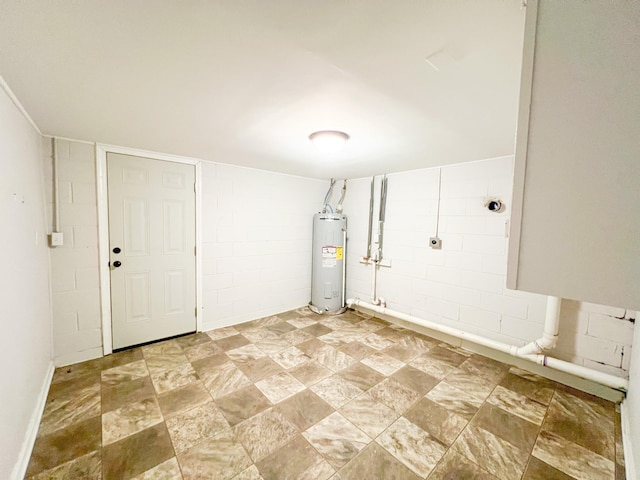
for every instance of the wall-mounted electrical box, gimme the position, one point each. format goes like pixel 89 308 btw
pixel 435 243
pixel 56 239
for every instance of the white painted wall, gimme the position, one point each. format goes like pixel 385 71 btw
pixel 256 254
pixel 257 230
pixel 25 343
pixel 74 266
pixel 463 285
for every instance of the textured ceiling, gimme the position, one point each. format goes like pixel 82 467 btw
pixel 246 81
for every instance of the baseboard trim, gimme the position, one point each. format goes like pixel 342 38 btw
pixel 20 468
pixel 625 423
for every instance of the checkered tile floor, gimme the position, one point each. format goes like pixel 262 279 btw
pixel 303 396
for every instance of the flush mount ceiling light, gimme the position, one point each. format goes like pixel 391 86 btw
pixel 328 141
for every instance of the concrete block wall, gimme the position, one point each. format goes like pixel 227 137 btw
pixel 256 250
pixel 77 328
pixel 463 284
pixel 257 231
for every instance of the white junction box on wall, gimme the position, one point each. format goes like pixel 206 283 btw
pixel 56 239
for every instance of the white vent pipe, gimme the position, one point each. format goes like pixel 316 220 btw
pixel 551 325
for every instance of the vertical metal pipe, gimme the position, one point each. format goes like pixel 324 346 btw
pixel 381 216
pixel 369 240
pixel 56 190
pixel 344 268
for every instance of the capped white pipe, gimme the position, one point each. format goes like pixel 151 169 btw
pixel 562 366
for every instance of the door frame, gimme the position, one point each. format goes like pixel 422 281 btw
pixel 101 151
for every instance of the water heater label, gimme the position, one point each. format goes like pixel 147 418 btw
pixel 329 254
pixel 338 253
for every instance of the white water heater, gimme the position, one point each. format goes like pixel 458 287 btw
pixel 328 258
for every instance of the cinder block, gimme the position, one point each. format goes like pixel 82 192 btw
pixel 510 306
pixel 602 309
pixel 485 282
pixel 447 275
pixel 84 193
pixel 480 318
pixel 85 236
pixel 87 278
pixel 610 328
pixel 520 329
pixel 485 244
pixel 496 264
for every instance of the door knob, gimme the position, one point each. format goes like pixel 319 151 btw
pixel 117 263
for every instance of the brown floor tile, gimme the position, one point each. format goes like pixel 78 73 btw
pixel 538 470
pixel 221 456
pixel 369 415
pixel 362 376
pixel 317 330
pixel 64 445
pixel 442 424
pixel 454 466
pixel 513 429
pixel 63 409
pixel 123 393
pixel 304 409
pixel 582 420
pixel 87 467
pixel 264 433
pixel 454 399
pixel 497 456
pixel 130 419
pixel 540 392
pixel 125 373
pixel 191 427
pixel 279 387
pixel 336 391
pixel 415 379
pixel 356 350
pixel 412 446
pixel 229 343
pixel 259 369
pixel 137 453
pixel 394 395
pixel 310 373
pixel 337 439
pixel 242 404
pixel 193 339
pixel 375 462
pixel 296 460
pixel 571 458
pixel 90 369
pixel 167 470
pixel 121 358
pixel 280 328
pixel 182 399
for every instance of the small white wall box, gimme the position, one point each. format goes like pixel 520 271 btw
pixel 56 239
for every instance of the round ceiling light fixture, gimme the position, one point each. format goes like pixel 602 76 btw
pixel 329 141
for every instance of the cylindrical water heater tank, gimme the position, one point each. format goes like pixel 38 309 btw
pixel 328 257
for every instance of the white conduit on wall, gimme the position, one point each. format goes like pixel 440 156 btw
pixel 531 352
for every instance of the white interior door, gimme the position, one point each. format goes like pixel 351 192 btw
pixel 151 248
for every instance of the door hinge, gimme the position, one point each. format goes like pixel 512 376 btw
pixel 195 251
pixel 196 312
pixel 194 188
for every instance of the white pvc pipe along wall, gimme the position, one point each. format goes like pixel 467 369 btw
pixel 541 359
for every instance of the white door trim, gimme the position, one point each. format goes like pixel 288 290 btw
pixel 103 231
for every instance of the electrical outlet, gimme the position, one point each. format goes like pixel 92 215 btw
pixel 435 243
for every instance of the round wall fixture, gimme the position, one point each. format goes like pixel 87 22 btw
pixel 494 205
pixel 329 141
